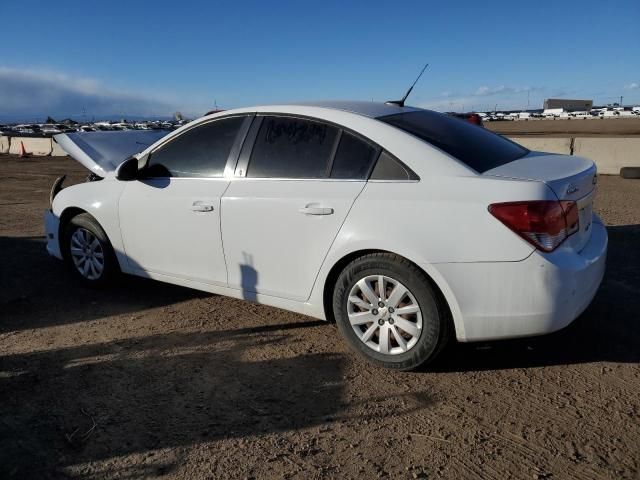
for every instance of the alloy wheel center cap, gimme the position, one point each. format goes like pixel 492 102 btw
pixel 383 312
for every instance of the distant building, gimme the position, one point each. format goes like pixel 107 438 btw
pixel 568 105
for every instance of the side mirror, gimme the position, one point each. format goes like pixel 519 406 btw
pixel 128 170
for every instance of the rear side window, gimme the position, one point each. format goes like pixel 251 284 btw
pixel 199 152
pixel 474 146
pixel 353 159
pixel 388 168
pixel 292 148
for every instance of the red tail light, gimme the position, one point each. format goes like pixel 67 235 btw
pixel 544 224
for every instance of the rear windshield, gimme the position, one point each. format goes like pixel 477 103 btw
pixel 474 146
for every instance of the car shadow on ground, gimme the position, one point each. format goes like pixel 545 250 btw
pixel 138 395
pixel 156 392
pixel 608 331
pixel 134 396
pixel 37 291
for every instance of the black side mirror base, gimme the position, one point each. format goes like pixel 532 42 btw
pixel 128 171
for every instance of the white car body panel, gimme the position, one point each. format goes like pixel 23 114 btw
pixel 153 211
pixel 541 294
pixel 100 199
pixel 271 246
pixel 256 244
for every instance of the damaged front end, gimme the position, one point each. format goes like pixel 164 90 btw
pixel 55 189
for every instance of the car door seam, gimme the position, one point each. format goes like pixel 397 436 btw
pixel 224 253
pixel 315 280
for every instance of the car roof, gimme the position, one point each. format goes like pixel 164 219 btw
pixel 367 109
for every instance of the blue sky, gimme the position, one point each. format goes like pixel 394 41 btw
pixel 112 57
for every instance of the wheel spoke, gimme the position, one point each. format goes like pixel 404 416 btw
pixel 361 318
pixel 96 265
pixel 95 243
pixel 366 336
pixel 85 267
pixel 408 309
pixel 76 251
pixel 366 290
pixel 396 295
pixel 360 303
pixel 98 255
pixel 384 338
pixel 407 326
pixel 402 343
pixel 381 288
pixel 92 267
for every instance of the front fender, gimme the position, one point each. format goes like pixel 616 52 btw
pixel 100 200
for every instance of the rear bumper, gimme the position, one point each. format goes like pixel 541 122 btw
pixel 538 295
pixel 51 229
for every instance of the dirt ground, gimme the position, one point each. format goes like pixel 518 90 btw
pixel 609 127
pixel 149 380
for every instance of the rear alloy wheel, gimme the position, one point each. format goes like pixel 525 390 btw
pixel 88 251
pixel 387 310
pixel 384 314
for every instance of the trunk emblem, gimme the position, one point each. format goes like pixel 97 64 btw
pixel 571 188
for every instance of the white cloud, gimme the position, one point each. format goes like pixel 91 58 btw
pixel 31 92
pixel 632 86
pixel 483 98
pixel 485 91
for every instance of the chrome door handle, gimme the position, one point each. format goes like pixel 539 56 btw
pixel 316 210
pixel 201 207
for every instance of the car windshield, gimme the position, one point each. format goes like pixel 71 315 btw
pixel 474 146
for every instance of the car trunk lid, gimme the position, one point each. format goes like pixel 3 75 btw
pixel 102 152
pixel 570 177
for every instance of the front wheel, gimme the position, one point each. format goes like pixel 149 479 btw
pixel 88 252
pixel 387 310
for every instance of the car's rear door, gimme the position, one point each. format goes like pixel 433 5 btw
pixel 170 219
pixel 294 184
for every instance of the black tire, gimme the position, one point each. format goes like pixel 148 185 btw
pixel 86 222
pixel 630 172
pixel 435 330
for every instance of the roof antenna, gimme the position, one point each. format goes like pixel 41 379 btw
pixel 400 103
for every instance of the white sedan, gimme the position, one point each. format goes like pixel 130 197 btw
pixel 405 226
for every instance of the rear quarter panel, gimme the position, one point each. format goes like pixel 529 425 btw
pixel 437 220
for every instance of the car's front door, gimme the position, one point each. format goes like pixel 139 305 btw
pixel 170 218
pixel 293 189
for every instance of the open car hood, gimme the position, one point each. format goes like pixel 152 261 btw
pixel 102 152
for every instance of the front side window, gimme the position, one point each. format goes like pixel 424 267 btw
pixel 474 146
pixel 199 152
pixel 289 147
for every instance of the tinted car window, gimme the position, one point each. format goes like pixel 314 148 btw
pixel 388 168
pixel 199 152
pixel 292 148
pixel 353 158
pixel 476 147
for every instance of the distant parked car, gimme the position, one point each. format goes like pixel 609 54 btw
pixel 402 224
pixel 580 114
pixel 473 118
pixel 27 129
pixel 53 129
